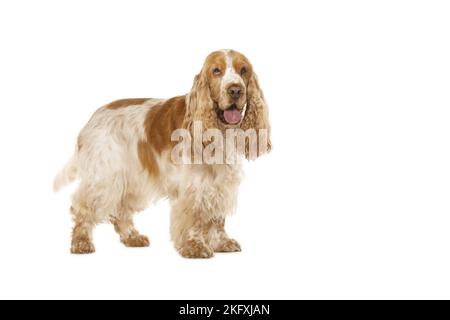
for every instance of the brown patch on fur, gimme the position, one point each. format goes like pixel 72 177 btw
pixel 147 158
pixel 160 122
pixel 239 62
pixel 213 61
pixel 126 102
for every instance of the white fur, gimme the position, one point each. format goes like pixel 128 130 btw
pixel 230 75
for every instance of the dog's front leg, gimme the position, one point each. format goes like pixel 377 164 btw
pixel 188 228
pixel 218 239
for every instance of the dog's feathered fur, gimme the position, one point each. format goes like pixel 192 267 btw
pixel 122 160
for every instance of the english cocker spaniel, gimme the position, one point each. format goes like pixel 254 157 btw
pixel 188 149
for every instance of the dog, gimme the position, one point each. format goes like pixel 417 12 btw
pixel 124 159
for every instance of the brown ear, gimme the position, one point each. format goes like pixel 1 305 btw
pixel 257 116
pixel 199 106
pixel 200 114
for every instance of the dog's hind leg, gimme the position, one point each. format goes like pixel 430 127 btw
pixel 82 231
pixel 129 236
pixel 124 226
pixel 93 203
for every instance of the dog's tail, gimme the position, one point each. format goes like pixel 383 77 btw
pixel 67 174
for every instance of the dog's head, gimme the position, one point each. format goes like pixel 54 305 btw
pixel 226 94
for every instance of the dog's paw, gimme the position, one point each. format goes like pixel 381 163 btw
pixel 82 246
pixel 196 249
pixel 229 245
pixel 137 241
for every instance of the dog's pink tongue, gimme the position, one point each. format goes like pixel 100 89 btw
pixel 232 116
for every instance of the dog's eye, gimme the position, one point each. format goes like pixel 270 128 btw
pixel 243 71
pixel 216 71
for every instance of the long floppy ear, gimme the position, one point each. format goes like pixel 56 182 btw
pixel 257 116
pixel 200 114
pixel 199 105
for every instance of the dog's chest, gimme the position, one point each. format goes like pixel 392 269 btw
pixel 211 189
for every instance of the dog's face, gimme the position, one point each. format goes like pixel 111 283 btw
pixel 228 73
pixel 226 95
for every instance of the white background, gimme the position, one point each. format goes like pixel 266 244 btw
pixel 352 203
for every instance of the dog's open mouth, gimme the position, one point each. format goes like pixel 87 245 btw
pixel 232 115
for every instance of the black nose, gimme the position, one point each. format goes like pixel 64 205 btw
pixel 235 92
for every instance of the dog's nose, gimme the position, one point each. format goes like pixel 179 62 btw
pixel 235 92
